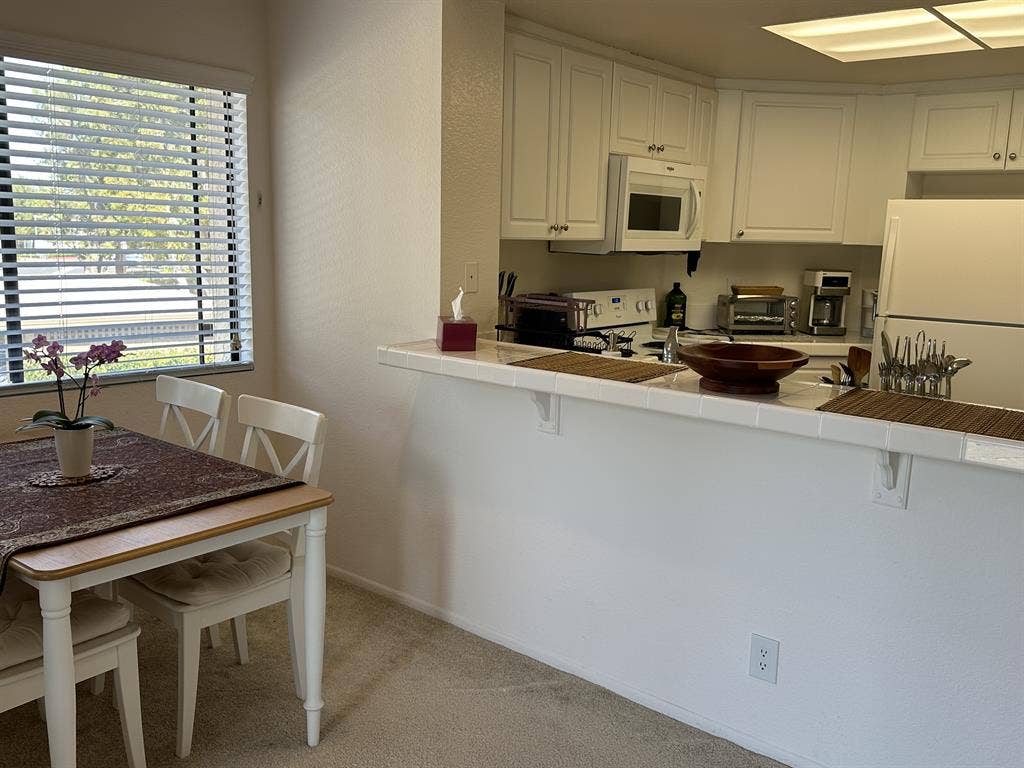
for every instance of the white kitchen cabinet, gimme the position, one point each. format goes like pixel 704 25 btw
pixel 529 167
pixel 792 168
pixel 634 102
pixel 653 116
pixel 962 131
pixel 704 125
pixel 584 120
pixel 1015 145
pixel 555 142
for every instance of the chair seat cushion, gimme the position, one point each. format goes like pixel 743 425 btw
pixel 208 578
pixel 21 623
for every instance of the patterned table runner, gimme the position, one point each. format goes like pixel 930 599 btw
pixel 599 367
pixel 929 412
pixel 158 480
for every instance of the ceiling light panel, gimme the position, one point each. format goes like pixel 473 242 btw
pixel 997 23
pixel 888 35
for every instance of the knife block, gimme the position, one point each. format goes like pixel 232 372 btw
pixel 456 335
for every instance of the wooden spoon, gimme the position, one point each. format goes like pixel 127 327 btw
pixel 859 360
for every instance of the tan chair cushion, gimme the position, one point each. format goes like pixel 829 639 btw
pixel 21 623
pixel 208 578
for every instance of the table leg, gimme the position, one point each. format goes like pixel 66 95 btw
pixel 58 671
pixel 315 588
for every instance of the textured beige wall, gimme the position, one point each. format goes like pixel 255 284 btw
pixel 473 36
pixel 224 33
pixel 356 145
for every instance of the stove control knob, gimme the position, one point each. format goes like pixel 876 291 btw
pixel 639 306
pixel 597 310
pixel 648 305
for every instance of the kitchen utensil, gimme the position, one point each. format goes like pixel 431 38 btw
pixel 859 361
pixel 742 369
pixel 511 287
pixel 848 377
pixel 887 348
pixel 501 282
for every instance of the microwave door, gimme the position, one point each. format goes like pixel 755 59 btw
pixel 661 217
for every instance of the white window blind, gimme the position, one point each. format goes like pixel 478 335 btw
pixel 123 214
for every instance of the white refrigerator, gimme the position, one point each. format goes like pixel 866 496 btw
pixel 955 269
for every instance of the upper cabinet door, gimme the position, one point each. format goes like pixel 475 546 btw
pixel 793 167
pixel 584 120
pixel 960 131
pixel 674 118
pixel 530 138
pixel 634 100
pixel 1015 147
pixel 704 125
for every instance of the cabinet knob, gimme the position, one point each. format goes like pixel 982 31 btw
pixel 651 147
pixel 661 147
pixel 739 233
pixel 553 227
pixel 1013 155
pixel 996 155
pixel 565 227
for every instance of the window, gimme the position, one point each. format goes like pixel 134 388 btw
pixel 123 214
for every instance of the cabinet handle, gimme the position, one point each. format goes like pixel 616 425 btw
pixel 996 155
pixel 661 147
pixel 739 233
pixel 553 227
pixel 651 147
pixel 565 227
pixel 1013 155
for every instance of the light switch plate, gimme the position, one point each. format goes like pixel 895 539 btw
pixel 764 658
pixel 471 282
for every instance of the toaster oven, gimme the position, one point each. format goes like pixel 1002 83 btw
pixel 757 314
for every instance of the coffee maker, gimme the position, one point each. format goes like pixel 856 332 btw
pixel 823 302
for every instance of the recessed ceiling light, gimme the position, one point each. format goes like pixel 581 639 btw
pixel 887 35
pixel 997 23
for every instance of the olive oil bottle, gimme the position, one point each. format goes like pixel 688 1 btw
pixel 675 307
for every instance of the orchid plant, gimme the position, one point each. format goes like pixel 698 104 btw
pixel 49 356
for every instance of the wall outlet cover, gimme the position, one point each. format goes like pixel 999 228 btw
pixel 764 658
pixel 471 283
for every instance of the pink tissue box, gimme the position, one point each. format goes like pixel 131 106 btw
pixel 456 335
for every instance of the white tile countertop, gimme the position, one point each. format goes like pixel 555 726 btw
pixel 815 346
pixel 791 411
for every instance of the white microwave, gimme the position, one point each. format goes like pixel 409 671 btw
pixel 653 206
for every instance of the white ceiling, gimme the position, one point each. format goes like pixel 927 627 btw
pixel 723 38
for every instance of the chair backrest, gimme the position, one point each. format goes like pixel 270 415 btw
pixel 178 394
pixel 261 416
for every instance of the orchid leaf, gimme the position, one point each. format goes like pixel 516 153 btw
pixel 91 421
pixel 40 414
pixel 53 420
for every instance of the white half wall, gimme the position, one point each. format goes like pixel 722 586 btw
pixel 641 551
pixel 356 144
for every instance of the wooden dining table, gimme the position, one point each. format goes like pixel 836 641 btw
pixel 58 570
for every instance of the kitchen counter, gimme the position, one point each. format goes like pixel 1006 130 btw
pixel 815 346
pixel 791 411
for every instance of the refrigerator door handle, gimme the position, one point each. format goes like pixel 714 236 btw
pixel 892 236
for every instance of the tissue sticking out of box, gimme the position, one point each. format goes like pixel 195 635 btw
pixel 457 305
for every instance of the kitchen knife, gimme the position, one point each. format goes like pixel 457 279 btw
pixel 512 277
pixel 886 349
pixel 501 282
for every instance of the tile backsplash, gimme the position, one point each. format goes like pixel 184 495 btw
pixel 721 265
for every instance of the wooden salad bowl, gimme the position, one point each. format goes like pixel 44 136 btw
pixel 741 369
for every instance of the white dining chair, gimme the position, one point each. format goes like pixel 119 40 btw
pixel 104 640
pixel 179 395
pixel 228 584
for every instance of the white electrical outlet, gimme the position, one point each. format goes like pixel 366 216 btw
pixel 764 658
pixel 472 277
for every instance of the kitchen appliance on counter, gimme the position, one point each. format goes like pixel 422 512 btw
pixel 757 313
pixel 586 321
pixel 653 206
pixel 953 270
pixel 823 302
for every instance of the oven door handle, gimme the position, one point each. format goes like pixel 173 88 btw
pixel 696 209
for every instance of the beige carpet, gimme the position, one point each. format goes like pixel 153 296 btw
pixel 402 690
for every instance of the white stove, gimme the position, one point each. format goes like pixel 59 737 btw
pixel 629 312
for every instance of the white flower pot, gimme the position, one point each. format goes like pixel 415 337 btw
pixel 74 451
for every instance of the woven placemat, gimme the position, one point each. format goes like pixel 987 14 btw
pixel 929 412
pixel 599 367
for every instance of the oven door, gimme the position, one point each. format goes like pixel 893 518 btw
pixel 660 212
